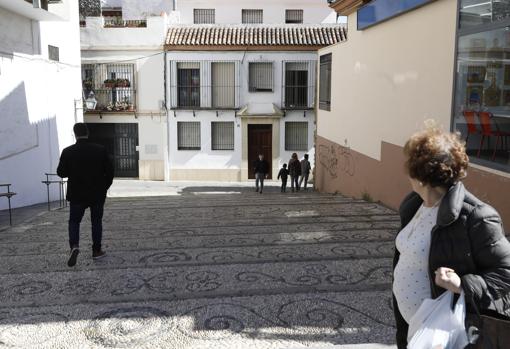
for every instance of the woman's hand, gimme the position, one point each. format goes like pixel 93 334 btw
pixel 448 279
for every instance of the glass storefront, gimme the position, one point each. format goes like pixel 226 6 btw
pixel 482 96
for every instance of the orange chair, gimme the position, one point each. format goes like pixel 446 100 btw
pixel 470 117
pixel 487 131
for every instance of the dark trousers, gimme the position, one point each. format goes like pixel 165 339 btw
pixel 284 185
pixel 294 181
pixel 77 210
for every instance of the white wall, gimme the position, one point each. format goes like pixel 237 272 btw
pixel 228 11
pixel 212 159
pixel 37 100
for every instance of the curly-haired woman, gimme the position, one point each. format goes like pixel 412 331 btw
pixel 450 240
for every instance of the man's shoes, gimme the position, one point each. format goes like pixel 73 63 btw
pixel 257 190
pixel 261 192
pixel 73 257
pixel 98 254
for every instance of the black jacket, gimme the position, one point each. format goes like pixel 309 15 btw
pixel 89 171
pixel 468 238
pixel 284 174
pixel 260 166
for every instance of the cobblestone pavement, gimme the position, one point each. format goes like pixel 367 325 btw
pixel 204 270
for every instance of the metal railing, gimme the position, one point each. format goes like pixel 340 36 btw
pixel 119 22
pixel 62 189
pixel 109 87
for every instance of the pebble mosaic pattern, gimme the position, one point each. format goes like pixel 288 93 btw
pixel 196 271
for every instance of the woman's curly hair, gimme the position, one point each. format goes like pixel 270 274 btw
pixel 436 158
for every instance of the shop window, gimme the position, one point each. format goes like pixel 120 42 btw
pixel 203 16
pixel 293 16
pixel 482 96
pixel 252 16
pixel 260 77
pixel 482 12
pixel 222 135
pixel 188 135
pixel 296 136
pixel 188 84
pixel 325 82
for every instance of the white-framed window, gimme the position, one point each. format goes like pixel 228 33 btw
pixel 260 76
pixel 293 16
pixel 296 135
pixel 222 135
pixel 188 135
pixel 204 16
pixel 252 16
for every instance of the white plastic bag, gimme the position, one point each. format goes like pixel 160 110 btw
pixel 436 326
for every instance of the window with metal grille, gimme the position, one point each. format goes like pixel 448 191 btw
pixel 188 135
pixel 188 84
pixel 53 53
pixel 260 77
pixel 296 136
pixel 223 84
pixel 296 85
pixel 203 16
pixel 222 135
pixel 293 16
pixel 325 82
pixel 253 16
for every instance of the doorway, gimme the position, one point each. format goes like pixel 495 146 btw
pixel 260 141
pixel 121 142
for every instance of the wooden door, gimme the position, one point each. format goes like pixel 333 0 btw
pixel 260 141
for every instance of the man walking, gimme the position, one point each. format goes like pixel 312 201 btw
pixel 305 172
pixel 261 169
pixel 90 173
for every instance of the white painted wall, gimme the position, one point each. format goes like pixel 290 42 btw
pixel 212 159
pixel 37 99
pixel 95 37
pixel 228 11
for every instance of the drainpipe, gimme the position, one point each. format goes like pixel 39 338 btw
pixel 174 5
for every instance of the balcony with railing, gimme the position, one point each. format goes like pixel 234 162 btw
pixel 298 88
pixel 109 87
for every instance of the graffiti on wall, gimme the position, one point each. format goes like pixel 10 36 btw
pixel 336 160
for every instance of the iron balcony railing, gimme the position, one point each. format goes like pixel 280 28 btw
pixel 109 87
pixel 204 84
pixel 119 22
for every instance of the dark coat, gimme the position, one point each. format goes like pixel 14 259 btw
pixel 468 238
pixel 260 166
pixel 294 168
pixel 89 171
pixel 284 173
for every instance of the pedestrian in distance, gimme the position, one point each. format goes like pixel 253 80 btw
pixel 90 173
pixel 449 239
pixel 283 174
pixel 294 172
pixel 261 170
pixel 305 172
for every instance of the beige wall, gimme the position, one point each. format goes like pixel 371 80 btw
pixel 389 78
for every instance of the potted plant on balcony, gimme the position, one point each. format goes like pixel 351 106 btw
pixel 123 83
pixel 109 83
pixel 88 84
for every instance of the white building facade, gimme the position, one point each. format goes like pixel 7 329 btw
pixel 40 92
pixel 209 84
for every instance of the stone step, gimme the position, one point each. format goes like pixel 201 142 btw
pixel 197 238
pixel 185 282
pixel 258 322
